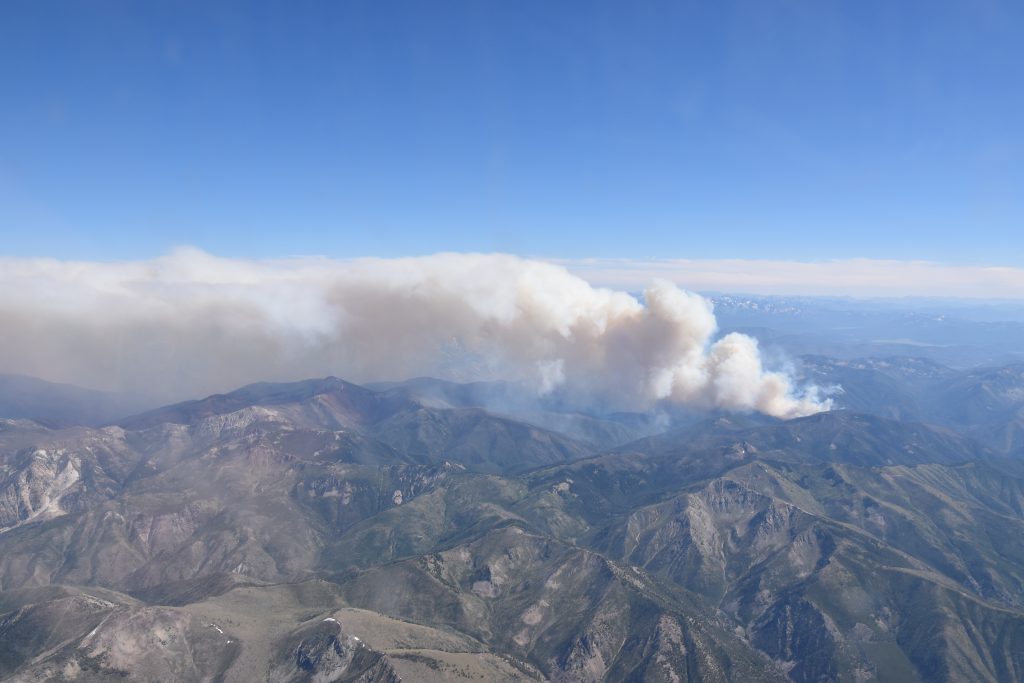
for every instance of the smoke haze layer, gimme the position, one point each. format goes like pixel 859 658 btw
pixel 189 324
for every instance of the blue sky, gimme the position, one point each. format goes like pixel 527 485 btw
pixel 638 130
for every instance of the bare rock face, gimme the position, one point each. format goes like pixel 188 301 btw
pixel 801 637
pixel 153 643
pixel 35 484
pixel 319 652
pixel 124 642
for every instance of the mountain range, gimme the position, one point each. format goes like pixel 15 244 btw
pixel 426 530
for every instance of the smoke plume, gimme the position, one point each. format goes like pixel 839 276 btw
pixel 189 323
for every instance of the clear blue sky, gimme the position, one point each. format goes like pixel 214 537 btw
pixel 805 130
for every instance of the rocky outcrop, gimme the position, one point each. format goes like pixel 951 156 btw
pixel 319 652
pixel 34 485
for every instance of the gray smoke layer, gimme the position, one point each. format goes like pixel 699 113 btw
pixel 189 324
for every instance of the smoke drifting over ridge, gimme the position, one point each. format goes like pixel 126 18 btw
pixel 189 324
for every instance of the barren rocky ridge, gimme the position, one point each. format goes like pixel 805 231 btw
pixel 326 531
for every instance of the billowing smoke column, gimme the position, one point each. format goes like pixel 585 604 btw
pixel 190 323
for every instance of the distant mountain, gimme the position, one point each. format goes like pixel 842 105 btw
pixel 985 403
pixel 396 422
pixel 62 404
pixel 522 404
pixel 320 530
pixel 338 400
pixel 955 333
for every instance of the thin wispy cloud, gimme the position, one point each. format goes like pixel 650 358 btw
pixel 845 277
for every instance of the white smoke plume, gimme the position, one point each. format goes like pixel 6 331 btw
pixel 189 323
